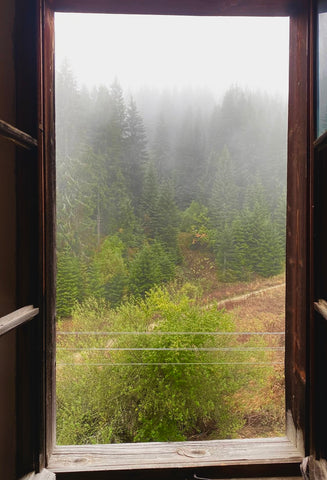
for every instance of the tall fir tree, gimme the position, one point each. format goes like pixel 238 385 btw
pixel 224 196
pixel 161 149
pixel 189 158
pixel 149 202
pixel 136 154
pixel 168 220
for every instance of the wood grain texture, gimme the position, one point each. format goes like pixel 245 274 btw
pixel 29 343
pixel 17 318
pixel 181 7
pixel 17 136
pixel 297 241
pixel 173 455
pixel 88 461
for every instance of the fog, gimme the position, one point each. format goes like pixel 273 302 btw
pixel 175 52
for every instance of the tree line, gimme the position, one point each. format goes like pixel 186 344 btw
pixel 131 178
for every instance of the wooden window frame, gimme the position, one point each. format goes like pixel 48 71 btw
pixel 230 458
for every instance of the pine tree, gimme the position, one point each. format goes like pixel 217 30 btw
pixel 149 202
pixel 168 220
pixel 70 113
pixel 270 254
pixel 161 149
pixel 117 132
pixel 189 159
pixel 120 213
pixel 224 197
pixel 280 222
pixel 150 267
pixel 136 154
pixel 264 253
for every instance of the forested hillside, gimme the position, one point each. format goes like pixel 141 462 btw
pixel 168 201
pixel 137 175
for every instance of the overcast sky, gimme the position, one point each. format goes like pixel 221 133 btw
pixel 161 51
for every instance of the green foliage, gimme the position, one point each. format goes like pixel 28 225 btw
pixel 195 220
pixel 151 266
pixel 136 154
pixel 250 242
pixel 194 217
pixel 223 201
pixel 232 251
pixel 109 275
pixel 69 282
pixel 118 222
pixel 156 401
pixel 149 202
pixel 168 221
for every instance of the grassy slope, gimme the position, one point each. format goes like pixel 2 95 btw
pixel 263 404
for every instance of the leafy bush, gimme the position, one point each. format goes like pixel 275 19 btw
pixel 159 398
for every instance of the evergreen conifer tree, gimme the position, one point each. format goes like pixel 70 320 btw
pixel 149 202
pixel 136 154
pixel 224 196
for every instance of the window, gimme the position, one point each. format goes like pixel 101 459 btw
pixel 281 460
pixel 171 177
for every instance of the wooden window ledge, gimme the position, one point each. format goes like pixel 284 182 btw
pixel 156 455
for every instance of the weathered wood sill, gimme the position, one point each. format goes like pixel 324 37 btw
pixel 147 456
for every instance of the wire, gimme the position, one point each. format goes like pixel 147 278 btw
pixel 177 349
pixel 165 363
pixel 170 333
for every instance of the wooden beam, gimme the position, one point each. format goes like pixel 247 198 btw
pixel 17 318
pixel 17 136
pixel 182 7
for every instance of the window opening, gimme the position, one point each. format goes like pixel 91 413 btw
pixel 171 190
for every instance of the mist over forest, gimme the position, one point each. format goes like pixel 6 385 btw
pixel 164 197
pixel 134 171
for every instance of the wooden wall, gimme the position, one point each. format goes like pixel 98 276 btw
pixel 7 243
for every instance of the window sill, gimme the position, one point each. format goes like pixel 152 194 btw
pixel 178 455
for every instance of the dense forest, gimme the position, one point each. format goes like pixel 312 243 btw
pixel 148 184
pixel 131 178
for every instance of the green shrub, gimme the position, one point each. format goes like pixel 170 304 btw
pixel 163 399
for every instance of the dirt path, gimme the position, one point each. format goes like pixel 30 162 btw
pixel 240 298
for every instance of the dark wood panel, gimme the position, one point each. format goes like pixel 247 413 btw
pixel 280 472
pixel 7 405
pixel 28 338
pixel 319 368
pixel 297 242
pixel 181 7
